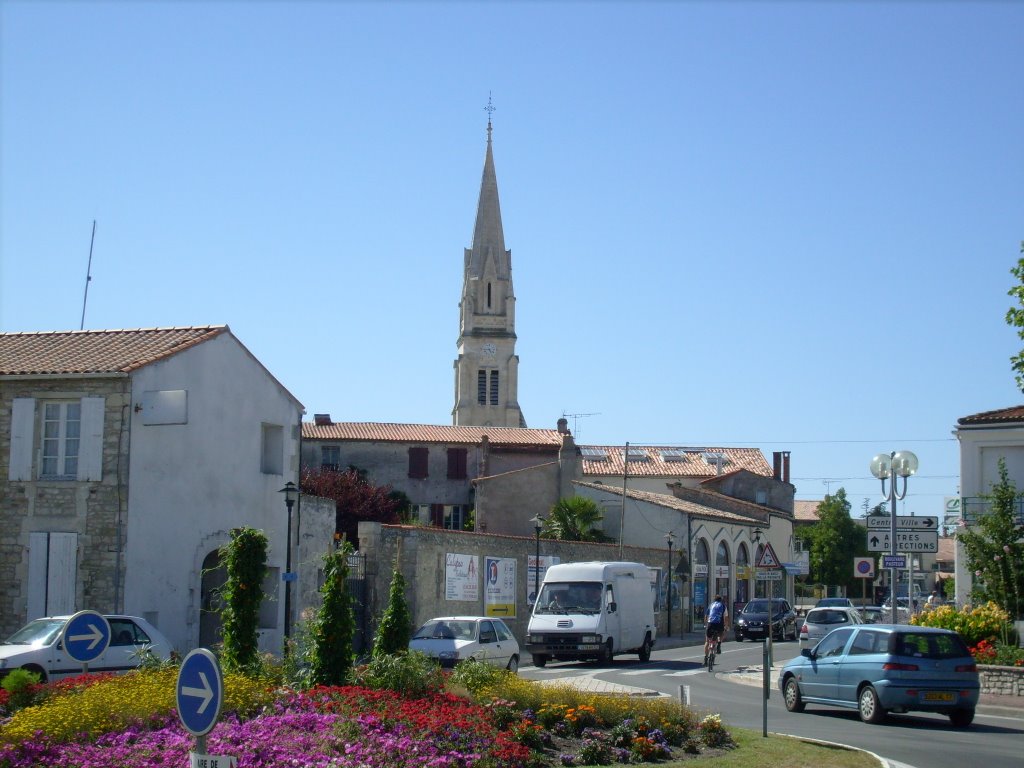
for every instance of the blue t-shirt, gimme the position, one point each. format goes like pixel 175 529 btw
pixel 716 612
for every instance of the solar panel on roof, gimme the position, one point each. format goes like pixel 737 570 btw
pixel 594 454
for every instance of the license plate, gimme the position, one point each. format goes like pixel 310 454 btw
pixel 937 696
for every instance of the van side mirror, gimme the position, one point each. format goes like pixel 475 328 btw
pixel 612 607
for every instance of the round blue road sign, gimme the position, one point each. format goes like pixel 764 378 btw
pixel 199 692
pixel 86 636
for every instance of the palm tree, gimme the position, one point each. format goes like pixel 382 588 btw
pixel 574 519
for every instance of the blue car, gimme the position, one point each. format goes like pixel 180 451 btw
pixel 882 668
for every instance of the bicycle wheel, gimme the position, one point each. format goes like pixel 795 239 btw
pixel 711 659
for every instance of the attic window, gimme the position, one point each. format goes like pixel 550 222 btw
pixel 594 454
pixel 715 458
pixel 674 454
pixel 636 454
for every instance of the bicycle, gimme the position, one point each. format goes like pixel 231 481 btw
pixel 711 659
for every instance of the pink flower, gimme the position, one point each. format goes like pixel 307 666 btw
pixel 1006 548
pixel 977 573
pixel 997 558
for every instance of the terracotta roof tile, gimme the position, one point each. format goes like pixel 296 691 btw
pixel 687 462
pixel 53 353
pixel 744 512
pixel 806 511
pixel 1003 415
pixel 372 431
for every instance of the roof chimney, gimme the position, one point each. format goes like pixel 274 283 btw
pixel 563 425
pixel 322 419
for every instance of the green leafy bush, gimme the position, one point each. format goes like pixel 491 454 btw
pixel 986 622
pixel 412 674
pixel 475 675
pixel 21 686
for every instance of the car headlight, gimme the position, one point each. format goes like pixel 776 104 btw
pixel 591 638
pixel 742 622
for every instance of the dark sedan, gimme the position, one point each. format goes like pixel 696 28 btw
pixel 753 621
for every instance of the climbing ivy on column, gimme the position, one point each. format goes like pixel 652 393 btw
pixel 329 651
pixel 245 559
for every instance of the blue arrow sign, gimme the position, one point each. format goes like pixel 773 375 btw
pixel 199 692
pixel 86 636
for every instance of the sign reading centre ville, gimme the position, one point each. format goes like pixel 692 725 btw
pixel 903 523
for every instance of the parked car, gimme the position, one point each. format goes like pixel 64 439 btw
pixel 451 639
pixel 753 620
pixel 874 614
pixel 835 602
pixel 820 621
pixel 882 668
pixel 902 609
pixel 37 648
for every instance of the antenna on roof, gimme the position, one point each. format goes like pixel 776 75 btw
pixel 88 275
pixel 575 421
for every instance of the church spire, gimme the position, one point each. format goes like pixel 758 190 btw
pixel 487 369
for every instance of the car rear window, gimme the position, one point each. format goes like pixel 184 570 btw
pixel 825 616
pixel 928 645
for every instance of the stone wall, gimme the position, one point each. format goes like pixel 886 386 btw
pixel 420 552
pixel 1003 681
pixel 93 510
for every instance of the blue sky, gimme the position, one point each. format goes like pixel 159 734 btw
pixel 780 225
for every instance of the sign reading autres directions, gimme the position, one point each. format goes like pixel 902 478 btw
pixel 906 541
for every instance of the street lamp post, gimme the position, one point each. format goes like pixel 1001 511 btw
pixel 668 583
pixel 538 523
pixel 890 466
pixel 291 493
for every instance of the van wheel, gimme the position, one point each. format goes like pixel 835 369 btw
pixel 645 649
pixel 513 665
pixel 606 653
pixel 539 660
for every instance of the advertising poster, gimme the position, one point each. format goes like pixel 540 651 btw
pixel 535 573
pixel 461 577
pixel 500 587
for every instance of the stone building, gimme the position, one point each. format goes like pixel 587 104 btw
pixel 127 458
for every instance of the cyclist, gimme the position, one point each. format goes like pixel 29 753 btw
pixel 718 619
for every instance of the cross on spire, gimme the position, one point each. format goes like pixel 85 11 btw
pixel 489 109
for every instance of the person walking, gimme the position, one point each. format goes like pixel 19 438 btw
pixel 718 623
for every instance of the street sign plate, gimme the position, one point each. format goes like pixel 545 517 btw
pixel 903 523
pixel 864 567
pixel 894 561
pixel 86 636
pixel 775 575
pixel 906 541
pixel 199 692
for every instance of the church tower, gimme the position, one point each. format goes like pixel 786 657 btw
pixel 487 368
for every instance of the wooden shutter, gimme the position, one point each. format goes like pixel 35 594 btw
pixel 418 462
pixel 23 417
pixel 437 515
pixel 90 449
pixel 456 463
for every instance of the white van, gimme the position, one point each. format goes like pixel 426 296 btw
pixel 593 611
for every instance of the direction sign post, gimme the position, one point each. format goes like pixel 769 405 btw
pixel 85 637
pixel 199 694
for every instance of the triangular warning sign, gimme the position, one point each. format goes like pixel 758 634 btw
pixel 767 558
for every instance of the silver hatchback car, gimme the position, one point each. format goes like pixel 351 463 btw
pixel 820 621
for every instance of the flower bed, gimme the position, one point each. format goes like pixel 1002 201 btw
pixel 127 721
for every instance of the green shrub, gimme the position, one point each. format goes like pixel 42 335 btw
pixel 330 632
pixel 412 674
pixel 475 675
pixel 22 686
pixel 986 622
pixel 395 628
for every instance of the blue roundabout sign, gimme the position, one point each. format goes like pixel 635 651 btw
pixel 200 692
pixel 86 636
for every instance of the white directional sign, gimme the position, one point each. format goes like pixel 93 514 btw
pixel 906 541
pixel 903 523
pixel 769 575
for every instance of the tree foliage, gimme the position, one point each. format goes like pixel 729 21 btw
pixel 329 652
pixel 834 541
pixel 245 560
pixel 355 498
pixel 574 519
pixel 994 548
pixel 1015 318
pixel 395 629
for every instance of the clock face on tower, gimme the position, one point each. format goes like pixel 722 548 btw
pixel 489 348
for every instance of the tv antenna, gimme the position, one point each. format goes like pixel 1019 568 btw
pixel 576 419
pixel 88 275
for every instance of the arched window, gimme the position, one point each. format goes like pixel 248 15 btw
pixel 701 578
pixel 722 572
pixel 488 295
pixel 743 574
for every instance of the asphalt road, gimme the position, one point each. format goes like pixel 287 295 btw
pixel 923 740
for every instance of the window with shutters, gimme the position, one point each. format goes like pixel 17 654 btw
pixel 481 387
pixel 494 387
pixel 418 462
pixel 330 458
pixel 62 430
pixel 457 463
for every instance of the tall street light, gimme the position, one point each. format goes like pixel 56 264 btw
pixel 538 523
pixel 890 466
pixel 668 583
pixel 291 494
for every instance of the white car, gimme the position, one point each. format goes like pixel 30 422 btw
pixel 36 647
pixel 820 621
pixel 451 639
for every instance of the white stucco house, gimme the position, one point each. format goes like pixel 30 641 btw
pixel 985 438
pixel 127 458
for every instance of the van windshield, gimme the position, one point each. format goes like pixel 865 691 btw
pixel 570 597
